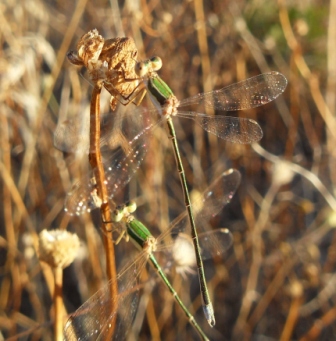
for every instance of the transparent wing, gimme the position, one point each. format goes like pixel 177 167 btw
pixel 232 129
pixel 209 203
pixel 250 93
pixel 93 320
pixel 205 206
pixel 119 168
pixel 124 144
pixel 72 135
pixel 217 195
pixel 212 243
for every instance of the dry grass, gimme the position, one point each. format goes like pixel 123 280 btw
pixel 277 281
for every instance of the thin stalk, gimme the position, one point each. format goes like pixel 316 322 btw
pixel 58 304
pixel 95 160
pixel 293 315
pixel 319 325
pixel 47 94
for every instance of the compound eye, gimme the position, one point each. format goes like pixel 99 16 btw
pixel 156 63
pixel 131 206
pixel 118 214
pixel 141 69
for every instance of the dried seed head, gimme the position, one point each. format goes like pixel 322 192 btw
pixel 110 61
pixel 58 248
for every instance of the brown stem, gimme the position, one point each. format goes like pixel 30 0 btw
pixel 95 160
pixel 58 304
pixel 315 331
pixel 292 318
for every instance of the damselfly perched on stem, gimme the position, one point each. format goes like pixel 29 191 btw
pixel 92 319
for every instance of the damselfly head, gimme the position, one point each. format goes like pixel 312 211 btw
pixel 131 206
pixel 156 63
pixel 141 68
pixel 147 66
pixel 118 214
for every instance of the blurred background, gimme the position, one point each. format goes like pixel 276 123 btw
pixel 277 281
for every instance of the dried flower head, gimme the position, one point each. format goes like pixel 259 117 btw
pixel 110 61
pixel 58 248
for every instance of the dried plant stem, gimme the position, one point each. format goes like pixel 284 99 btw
pixel 30 151
pixel 331 83
pixel 203 44
pixel 292 318
pixel 273 288
pixel 58 304
pixel 207 81
pixel 257 259
pixel 319 325
pixel 95 160
pixel 305 71
pixel 310 176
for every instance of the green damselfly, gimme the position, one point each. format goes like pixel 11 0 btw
pixel 253 92
pixel 250 93
pixel 133 128
pixel 91 321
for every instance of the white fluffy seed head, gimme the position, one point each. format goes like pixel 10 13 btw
pixel 58 248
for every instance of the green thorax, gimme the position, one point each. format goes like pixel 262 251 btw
pixel 158 89
pixel 138 232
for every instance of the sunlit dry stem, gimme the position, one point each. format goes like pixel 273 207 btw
pixel 95 160
pixel 58 304
pixel 58 248
pixel 319 325
pixel 293 316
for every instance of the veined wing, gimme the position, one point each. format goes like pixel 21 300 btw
pixel 232 129
pixel 206 206
pixel 250 93
pixel 119 169
pixel 93 320
pixel 73 134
